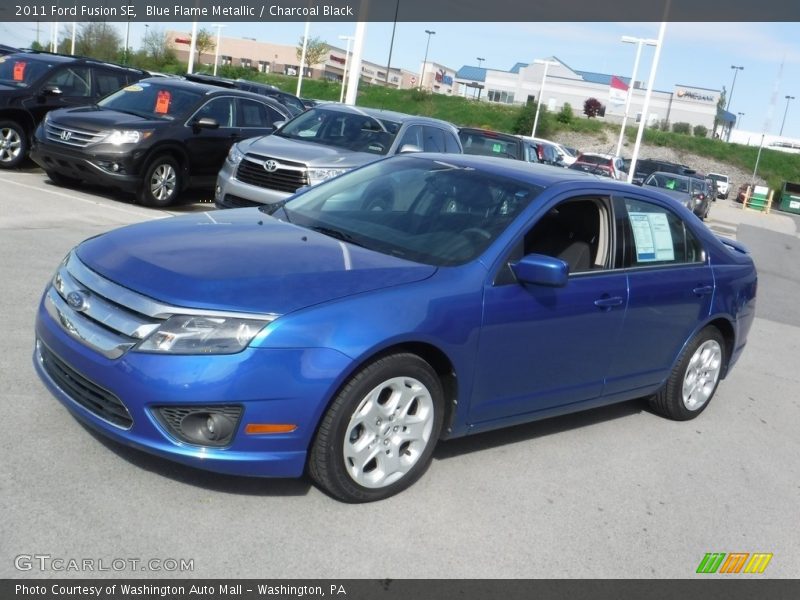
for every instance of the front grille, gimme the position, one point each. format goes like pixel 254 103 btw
pixel 232 201
pixel 70 136
pixel 287 178
pixel 92 397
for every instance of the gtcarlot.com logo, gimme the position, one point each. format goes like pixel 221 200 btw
pixel 47 562
pixel 735 562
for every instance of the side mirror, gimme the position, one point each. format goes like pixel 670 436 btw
pixel 539 269
pixel 206 123
pixel 51 90
pixel 278 124
pixel 405 148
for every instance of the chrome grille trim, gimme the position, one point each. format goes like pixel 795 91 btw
pixel 79 138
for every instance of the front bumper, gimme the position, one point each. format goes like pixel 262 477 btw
pixel 272 385
pixel 93 167
pixel 229 192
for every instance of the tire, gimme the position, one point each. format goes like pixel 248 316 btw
pixel 162 182
pixel 378 435
pixel 14 144
pixel 60 179
pixel 694 379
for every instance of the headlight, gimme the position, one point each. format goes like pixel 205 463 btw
pixel 316 176
pixel 187 334
pixel 235 155
pixel 117 137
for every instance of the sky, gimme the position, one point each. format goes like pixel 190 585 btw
pixel 696 54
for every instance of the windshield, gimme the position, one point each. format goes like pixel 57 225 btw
pixel 352 131
pixel 594 159
pixel 152 101
pixel 485 144
pixel 18 71
pixel 414 208
pixel 668 181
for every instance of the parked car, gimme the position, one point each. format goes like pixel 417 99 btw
pixel 321 336
pixel 323 142
pixel 34 83
pixel 703 194
pixel 601 170
pixel 292 103
pixel 155 138
pixel 722 184
pixel 549 153
pixel 678 187
pixel 613 162
pixel 4 49
pixel 485 142
pixel 647 166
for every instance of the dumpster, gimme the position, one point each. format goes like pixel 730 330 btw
pixel 760 199
pixel 790 197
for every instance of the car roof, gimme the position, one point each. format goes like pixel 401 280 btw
pixel 51 57
pixel 208 89
pixel 671 175
pixel 490 133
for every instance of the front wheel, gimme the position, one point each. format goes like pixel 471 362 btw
pixel 694 378
pixel 162 182
pixel 378 435
pixel 13 144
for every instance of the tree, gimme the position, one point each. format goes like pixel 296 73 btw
pixel 315 51
pixel 99 40
pixel 204 43
pixel 565 115
pixel 156 47
pixel 593 107
pixel 720 108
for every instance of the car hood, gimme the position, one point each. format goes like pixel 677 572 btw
pixel 241 260
pixel 94 118
pixel 309 153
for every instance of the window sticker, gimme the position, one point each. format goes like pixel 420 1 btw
pixel 19 70
pixel 163 99
pixel 652 237
pixel 497 148
pixel 133 88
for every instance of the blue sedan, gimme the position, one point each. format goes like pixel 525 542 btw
pixel 419 298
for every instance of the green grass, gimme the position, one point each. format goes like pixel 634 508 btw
pixel 775 167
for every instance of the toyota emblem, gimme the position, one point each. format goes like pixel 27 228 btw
pixel 78 301
pixel 271 165
pixel 65 135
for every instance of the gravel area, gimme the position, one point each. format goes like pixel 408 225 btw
pixel 701 164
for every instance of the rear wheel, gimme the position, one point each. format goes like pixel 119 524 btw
pixel 694 379
pixel 13 144
pixel 378 435
pixel 162 182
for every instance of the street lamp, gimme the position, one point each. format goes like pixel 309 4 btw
pixel 785 111
pixel 349 39
pixel 216 53
pixel 546 64
pixel 735 72
pixel 639 43
pixel 425 62
pixel 480 61
pixel 739 120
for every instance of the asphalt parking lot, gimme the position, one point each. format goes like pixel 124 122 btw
pixel 614 492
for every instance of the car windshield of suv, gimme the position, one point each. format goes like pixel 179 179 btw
pixel 350 130
pixel 483 143
pixel 416 208
pixel 18 71
pixel 152 101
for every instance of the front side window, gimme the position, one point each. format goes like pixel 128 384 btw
pixel 219 109
pixel 657 236
pixel 72 81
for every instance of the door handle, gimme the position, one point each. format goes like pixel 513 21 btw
pixel 608 301
pixel 703 290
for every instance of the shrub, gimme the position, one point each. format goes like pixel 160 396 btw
pixel 682 128
pixel 592 107
pixel 700 131
pixel 565 115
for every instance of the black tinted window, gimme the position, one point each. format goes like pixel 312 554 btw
pixel 109 81
pixel 256 114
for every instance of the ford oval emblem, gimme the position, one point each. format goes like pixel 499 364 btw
pixel 78 301
pixel 271 165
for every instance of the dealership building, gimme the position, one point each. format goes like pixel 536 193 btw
pixel 521 84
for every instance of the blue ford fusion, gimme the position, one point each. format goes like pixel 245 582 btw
pixel 419 298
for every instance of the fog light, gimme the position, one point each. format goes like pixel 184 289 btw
pixel 200 425
pixel 115 167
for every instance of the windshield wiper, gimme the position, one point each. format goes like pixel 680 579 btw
pixel 335 233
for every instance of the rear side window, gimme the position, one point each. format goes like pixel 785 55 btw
pixel 108 82
pixel 657 236
pixel 252 114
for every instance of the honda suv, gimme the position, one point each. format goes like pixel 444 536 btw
pixel 33 83
pixel 323 142
pixel 155 138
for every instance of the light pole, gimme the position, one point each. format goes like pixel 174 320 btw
pixel 785 111
pixel 425 62
pixel 480 61
pixel 735 72
pixel 739 120
pixel 639 43
pixel 391 42
pixel 219 27
pixel 349 39
pixel 546 64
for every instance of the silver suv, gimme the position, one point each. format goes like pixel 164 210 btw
pixel 319 144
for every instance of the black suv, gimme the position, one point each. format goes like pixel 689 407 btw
pixel 33 83
pixel 292 103
pixel 155 138
pixel 646 166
